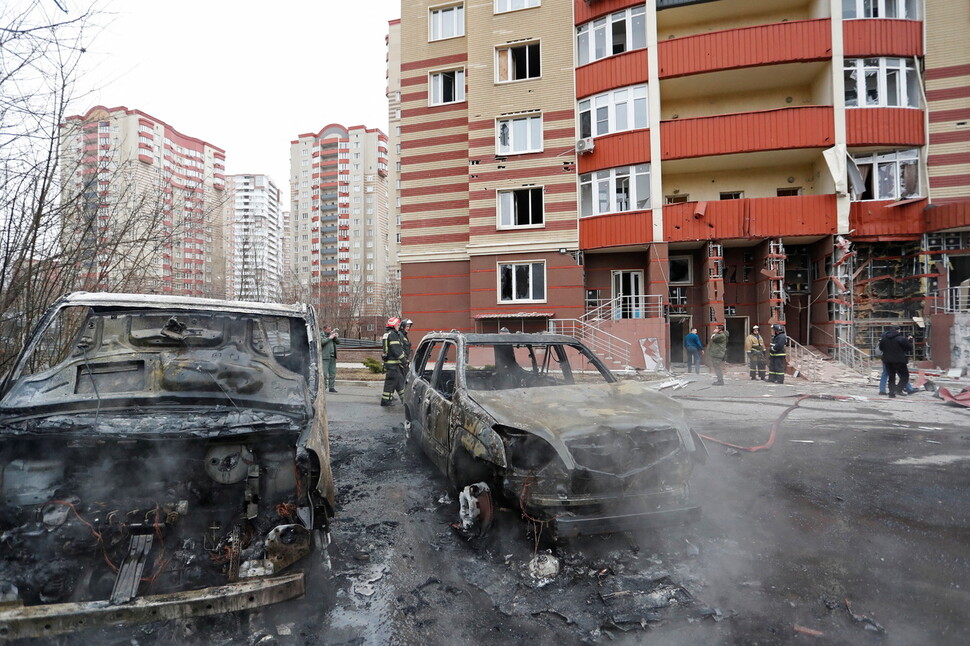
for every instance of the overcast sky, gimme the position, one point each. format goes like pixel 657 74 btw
pixel 247 76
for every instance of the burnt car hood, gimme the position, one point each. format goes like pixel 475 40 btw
pixel 563 413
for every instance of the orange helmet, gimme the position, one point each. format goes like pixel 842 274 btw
pixel 393 322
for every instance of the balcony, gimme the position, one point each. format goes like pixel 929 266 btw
pixel 782 129
pixel 882 37
pixel 887 220
pixel 884 127
pixel 619 149
pixel 798 41
pixel 807 215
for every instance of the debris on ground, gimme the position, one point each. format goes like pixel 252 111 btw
pixel 803 630
pixel 962 398
pixel 543 568
pixel 364 585
pixel 867 623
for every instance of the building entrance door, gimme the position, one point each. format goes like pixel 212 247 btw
pixel 628 288
pixel 679 328
pixel 737 327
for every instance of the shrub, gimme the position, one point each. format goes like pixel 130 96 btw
pixel 374 365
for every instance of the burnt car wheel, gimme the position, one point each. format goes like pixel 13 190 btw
pixel 466 470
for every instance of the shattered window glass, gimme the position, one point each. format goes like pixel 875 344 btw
pixel 503 366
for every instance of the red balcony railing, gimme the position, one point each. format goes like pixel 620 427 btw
pixel 783 129
pixel 798 41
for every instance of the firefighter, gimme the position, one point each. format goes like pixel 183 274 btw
pixel 405 341
pixel 779 348
pixel 754 347
pixel 393 358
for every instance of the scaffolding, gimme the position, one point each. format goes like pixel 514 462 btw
pixel 715 281
pixel 840 291
pixel 775 266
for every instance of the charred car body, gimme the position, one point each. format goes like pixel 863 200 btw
pixel 541 421
pixel 161 458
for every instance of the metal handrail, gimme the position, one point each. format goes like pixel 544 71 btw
pixel 855 358
pixel 804 360
pixel 952 299
pixel 640 306
pixel 601 342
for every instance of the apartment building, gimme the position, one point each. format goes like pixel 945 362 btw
pixel 626 170
pixel 254 239
pixel 340 244
pixel 148 199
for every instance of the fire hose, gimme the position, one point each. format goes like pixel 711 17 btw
pixel 777 423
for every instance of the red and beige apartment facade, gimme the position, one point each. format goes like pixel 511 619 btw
pixel 126 177
pixel 673 164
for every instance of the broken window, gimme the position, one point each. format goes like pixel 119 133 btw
pixel 447 87
pixel 680 270
pixel 611 191
pixel 519 135
pixel 881 82
pixel 522 282
pixel 520 208
pixel 621 31
pixel 885 176
pixel 519 62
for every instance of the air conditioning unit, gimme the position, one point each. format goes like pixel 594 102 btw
pixel 585 145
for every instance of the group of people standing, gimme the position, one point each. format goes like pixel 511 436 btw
pixel 395 353
pixel 759 354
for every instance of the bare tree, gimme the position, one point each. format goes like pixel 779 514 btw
pixel 69 220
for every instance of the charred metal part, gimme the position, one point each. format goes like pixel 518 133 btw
pixel 47 621
pixel 252 491
pixel 228 463
pixel 287 544
pixel 475 508
pixel 129 574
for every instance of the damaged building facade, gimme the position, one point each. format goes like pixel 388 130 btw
pixel 623 171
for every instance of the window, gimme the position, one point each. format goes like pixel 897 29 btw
pixel 619 32
pixel 522 282
pixel 881 82
pixel 520 208
pixel 789 191
pixel 519 135
pixel 447 22
pixel 680 270
pixel 902 9
pixel 626 188
pixel 518 63
pixel 731 195
pixel 501 6
pixel 885 176
pixel 676 199
pixel 615 111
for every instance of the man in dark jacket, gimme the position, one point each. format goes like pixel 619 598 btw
pixel 328 356
pixel 393 356
pixel 895 357
pixel 776 354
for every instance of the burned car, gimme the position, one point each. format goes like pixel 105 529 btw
pixel 160 458
pixel 550 430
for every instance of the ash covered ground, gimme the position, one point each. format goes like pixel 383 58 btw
pixel 851 529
